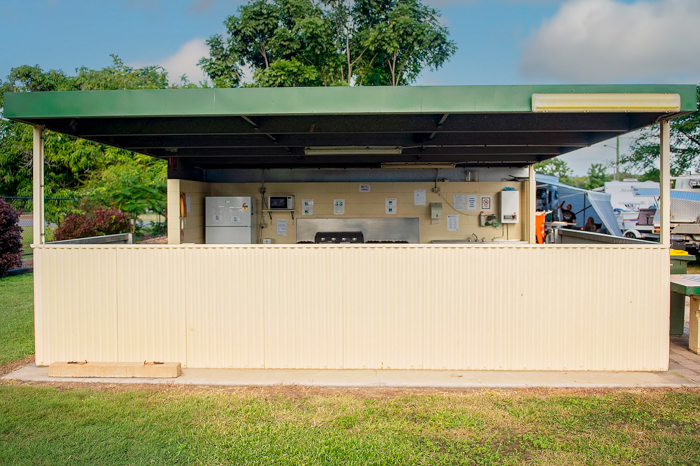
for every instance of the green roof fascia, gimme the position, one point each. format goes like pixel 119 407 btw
pixel 306 101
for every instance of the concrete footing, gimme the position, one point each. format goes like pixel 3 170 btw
pixel 152 370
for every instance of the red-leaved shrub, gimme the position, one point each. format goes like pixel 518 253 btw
pixel 97 223
pixel 10 238
pixel 111 221
pixel 75 226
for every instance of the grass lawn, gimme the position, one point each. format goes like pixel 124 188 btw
pixel 315 426
pixel 109 424
pixel 16 318
pixel 694 267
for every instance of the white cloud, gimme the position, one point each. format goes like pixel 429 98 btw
pixel 610 41
pixel 183 62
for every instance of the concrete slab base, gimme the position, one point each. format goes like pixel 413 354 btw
pixel 388 378
pixel 150 370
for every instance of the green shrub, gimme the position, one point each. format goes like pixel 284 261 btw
pixel 10 238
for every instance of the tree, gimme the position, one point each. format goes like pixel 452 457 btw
pixel 685 146
pixel 287 73
pixel 556 167
pixel 73 165
pixel 338 42
pixel 597 176
pixel 134 188
pixel 408 38
pixel 266 33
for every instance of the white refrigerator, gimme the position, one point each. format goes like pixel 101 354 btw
pixel 230 220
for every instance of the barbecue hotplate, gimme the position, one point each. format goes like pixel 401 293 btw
pixel 339 237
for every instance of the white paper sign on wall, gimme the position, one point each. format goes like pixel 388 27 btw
pixel 460 202
pixel 419 197
pixel 365 188
pixel 282 227
pixel 471 202
pixel 453 223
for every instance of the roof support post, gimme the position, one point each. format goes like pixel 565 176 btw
pixel 665 182
pixel 174 211
pixel 38 186
pixel 531 205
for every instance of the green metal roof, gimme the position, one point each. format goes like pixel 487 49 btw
pixel 306 100
pixel 271 127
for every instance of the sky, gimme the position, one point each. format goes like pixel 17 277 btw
pixel 498 41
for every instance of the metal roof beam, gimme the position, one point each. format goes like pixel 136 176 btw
pixel 439 126
pixel 404 140
pixel 336 124
pixel 365 161
pixel 413 152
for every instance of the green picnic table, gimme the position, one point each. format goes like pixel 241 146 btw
pixel 689 285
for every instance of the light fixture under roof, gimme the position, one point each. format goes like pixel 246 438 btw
pixel 605 103
pixel 353 150
pixel 418 165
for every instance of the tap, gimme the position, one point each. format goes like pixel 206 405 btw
pixel 476 238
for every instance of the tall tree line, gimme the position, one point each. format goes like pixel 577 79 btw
pixel 76 168
pixel 333 42
pixel 281 42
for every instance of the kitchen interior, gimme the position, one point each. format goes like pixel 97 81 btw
pixel 432 206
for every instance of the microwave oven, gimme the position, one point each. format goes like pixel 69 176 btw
pixel 280 202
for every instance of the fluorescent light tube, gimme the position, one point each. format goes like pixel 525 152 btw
pixel 605 103
pixel 418 165
pixel 352 150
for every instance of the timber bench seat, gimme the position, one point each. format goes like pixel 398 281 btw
pixel 689 285
pixel 84 369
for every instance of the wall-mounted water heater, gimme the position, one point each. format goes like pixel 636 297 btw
pixel 510 206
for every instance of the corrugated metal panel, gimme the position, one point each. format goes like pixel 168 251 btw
pixel 225 293
pixel 303 306
pixel 383 318
pixel 151 304
pixel 76 306
pixel 525 307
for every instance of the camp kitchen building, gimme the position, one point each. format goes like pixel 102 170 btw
pixel 362 201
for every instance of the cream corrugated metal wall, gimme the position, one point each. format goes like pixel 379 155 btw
pixel 525 307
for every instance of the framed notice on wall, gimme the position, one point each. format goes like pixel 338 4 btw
pixel 485 202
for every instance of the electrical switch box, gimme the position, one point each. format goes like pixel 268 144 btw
pixel 436 212
pixel 510 206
